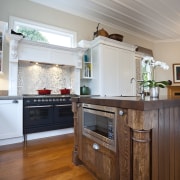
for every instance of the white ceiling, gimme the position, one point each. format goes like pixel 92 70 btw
pixel 156 20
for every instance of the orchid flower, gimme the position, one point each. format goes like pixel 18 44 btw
pixel 149 64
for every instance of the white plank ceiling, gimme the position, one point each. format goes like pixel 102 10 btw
pixel 155 20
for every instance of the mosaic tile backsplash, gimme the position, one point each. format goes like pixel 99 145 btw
pixel 32 77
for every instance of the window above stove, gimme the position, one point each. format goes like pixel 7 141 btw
pixel 39 32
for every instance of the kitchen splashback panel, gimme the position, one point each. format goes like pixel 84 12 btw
pixel 32 77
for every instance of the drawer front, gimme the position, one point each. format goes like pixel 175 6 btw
pixel 101 161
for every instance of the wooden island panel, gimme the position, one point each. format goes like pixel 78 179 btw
pixel 124 146
pixel 148 138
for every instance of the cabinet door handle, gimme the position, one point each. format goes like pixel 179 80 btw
pixel 121 113
pixel 96 146
pixel 15 101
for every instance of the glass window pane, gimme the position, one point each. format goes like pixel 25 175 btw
pixel 44 33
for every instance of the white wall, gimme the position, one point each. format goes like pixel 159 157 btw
pixel 168 52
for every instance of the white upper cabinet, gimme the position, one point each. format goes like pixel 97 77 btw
pixel 113 68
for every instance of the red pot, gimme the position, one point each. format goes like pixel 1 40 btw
pixel 65 91
pixel 44 91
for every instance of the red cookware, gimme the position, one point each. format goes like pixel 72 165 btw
pixel 65 91
pixel 44 91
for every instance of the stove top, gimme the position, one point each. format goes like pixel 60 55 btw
pixel 48 95
pixel 50 99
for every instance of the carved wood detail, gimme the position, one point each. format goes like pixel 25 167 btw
pixel 13 46
pixel 142 120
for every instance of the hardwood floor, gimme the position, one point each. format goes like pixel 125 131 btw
pixel 48 158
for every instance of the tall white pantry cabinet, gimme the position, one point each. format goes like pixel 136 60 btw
pixel 113 68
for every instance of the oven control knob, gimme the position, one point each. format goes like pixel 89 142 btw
pixel 60 99
pixel 42 100
pixel 35 100
pixel 27 101
pixel 39 100
pixel 64 99
pixel 50 100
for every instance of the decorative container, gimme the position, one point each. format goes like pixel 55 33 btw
pixel 154 92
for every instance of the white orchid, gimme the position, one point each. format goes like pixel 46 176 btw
pixel 149 61
pixel 161 64
pixel 149 64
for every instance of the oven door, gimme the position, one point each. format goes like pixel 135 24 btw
pixel 63 115
pixel 34 116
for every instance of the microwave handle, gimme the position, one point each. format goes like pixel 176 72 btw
pixel 100 113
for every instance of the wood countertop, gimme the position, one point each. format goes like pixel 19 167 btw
pixel 136 102
pixel 11 97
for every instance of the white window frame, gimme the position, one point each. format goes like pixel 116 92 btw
pixel 44 27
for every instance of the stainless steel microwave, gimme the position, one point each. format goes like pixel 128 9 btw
pixel 99 124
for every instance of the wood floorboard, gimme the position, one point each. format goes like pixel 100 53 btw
pixel 47 159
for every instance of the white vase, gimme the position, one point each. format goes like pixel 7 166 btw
pixel 154 92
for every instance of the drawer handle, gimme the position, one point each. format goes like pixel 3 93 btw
pixel 15 101
pixel 96 146
pixel 121 113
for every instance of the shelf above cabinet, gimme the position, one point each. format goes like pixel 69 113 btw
pixel 86 72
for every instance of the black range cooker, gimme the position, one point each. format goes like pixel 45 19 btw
pixel 46 112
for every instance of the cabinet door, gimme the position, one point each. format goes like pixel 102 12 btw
pixel 109 71
pixel 127 70
pixel 11 118
pixel 117 69
pixel 102 161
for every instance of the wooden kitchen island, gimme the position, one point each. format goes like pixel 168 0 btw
pixel 147 139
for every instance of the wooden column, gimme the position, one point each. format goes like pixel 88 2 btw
pixel 77 134
pixel 141 154
pixel 141 124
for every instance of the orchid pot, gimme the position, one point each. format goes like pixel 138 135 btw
pixel 154 92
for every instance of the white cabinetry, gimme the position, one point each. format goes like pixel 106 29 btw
pixel 113 68
pixel 10 120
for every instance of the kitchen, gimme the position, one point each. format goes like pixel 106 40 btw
pixel 167 51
